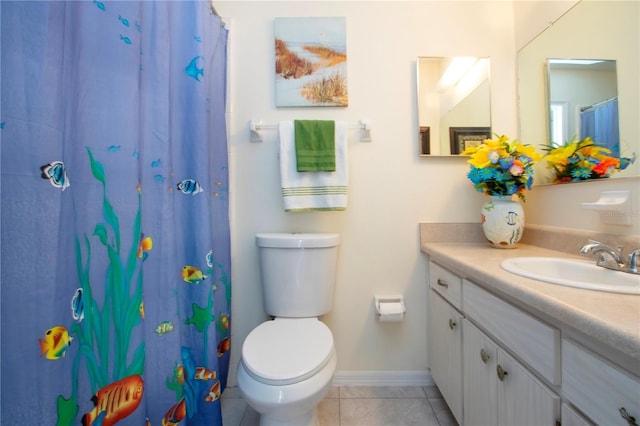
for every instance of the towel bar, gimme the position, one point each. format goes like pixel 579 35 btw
pixel 363 125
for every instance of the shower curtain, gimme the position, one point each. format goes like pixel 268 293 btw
pixel 115 291
pixel 600 122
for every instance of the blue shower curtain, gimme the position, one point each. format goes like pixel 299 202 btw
pixel 601 124
pixel 115 290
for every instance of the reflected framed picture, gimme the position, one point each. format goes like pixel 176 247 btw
pixel 461 138
pixel 425 136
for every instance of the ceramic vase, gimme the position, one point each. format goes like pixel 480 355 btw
pixel 502 222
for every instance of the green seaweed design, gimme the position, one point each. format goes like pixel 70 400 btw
pixel 119 313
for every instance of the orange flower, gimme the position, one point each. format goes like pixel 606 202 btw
pixel 605 165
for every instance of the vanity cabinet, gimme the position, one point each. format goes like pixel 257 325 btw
pixel 445 356
pixel 483 353
pixel 602 391
pixel 445 330
pixel 498 390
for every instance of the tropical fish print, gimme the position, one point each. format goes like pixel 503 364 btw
pixel 189 186
pixel 146 244
pixel 55 343
pixel 117 400
pixel 127 40
pixel 164 327
pixel 192 69
pixel 224 321
pixel 214 393
pixel 99 4
pixel 114 148
pixel 56 173
pixel 141 309
pixel 175 414
pixel 204 374
pixel 209 259
pixel 223 346
pixel 156 163
pixel 192 275
pixel 77 306
pixel 124 21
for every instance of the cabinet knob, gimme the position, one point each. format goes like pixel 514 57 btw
pixel 484 356
pixel 442 283
pixel 501 372
pixel 452 324
pixel 630 420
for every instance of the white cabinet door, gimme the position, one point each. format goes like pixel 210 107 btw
pixel 571 418
pixel 445 351
pixel 480 380
pixel 522 398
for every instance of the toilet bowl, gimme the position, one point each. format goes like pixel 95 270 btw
pixel 287 364
pixel 286 368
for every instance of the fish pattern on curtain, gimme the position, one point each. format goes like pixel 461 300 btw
pixel 115 292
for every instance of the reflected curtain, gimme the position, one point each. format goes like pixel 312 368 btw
pixel 601 124
pixel 115 272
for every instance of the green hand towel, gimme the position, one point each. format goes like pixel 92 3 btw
pixel 315 145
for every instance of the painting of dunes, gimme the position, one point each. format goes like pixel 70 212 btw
pixel 310 62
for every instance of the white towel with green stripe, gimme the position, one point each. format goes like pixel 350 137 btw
pixel 311 191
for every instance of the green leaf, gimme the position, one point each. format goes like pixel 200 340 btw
pixel 137 364
pixel 96 167
pixel 67 411
pixel 101 232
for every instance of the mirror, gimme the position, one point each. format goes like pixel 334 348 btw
pixel 454 109
pixel 592 30
pixel 583 101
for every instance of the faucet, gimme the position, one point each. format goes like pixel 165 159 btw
pixel 608 257
pixel 611 258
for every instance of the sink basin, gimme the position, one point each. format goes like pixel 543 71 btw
pixel 573 273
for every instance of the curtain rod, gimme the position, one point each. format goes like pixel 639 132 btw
pixel 364 125
pixel 599 104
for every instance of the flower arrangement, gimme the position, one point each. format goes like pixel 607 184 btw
pixel 502 167
pixel 583 159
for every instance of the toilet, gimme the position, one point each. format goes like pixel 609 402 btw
pixel 287 364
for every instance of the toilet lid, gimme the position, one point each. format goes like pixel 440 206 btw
pixel 287 350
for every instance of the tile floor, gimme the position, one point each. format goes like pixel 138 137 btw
pixel 359 406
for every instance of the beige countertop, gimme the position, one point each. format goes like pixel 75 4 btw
pixel 609 318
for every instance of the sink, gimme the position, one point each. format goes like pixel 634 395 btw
pixel 573 273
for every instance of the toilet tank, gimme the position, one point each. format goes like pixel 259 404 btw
pixel 297 273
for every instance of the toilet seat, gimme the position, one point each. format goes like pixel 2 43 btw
pixel 287 350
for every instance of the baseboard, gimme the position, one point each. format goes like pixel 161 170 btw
pixel 383 378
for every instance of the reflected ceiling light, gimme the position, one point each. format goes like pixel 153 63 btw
pixel 456 69
pixel 575 61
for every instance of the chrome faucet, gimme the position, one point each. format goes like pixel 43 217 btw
pixel 611 258
pixel 608 257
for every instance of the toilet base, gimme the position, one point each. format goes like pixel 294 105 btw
pixel 308 419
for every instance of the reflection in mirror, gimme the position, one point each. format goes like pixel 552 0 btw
pixel 454 108
pixel 617 38
pixel 583 101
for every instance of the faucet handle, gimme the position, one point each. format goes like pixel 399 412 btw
pixel 632 264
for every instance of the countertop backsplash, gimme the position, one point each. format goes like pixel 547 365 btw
pixel 565 240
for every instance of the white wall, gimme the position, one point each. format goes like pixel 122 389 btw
pixel 392 189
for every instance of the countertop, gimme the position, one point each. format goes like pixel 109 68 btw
pixel 609 318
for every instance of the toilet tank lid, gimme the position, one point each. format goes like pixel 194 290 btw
pixel 295 240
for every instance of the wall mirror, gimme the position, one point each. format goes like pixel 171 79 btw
pixel 454 108
pixel 583 101
pixel 541 88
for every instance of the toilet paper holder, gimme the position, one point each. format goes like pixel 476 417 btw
pixel 390 307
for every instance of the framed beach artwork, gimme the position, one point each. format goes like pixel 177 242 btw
pixel 310 62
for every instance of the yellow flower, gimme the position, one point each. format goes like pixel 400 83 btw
pixel 560 155
pixel 529 151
